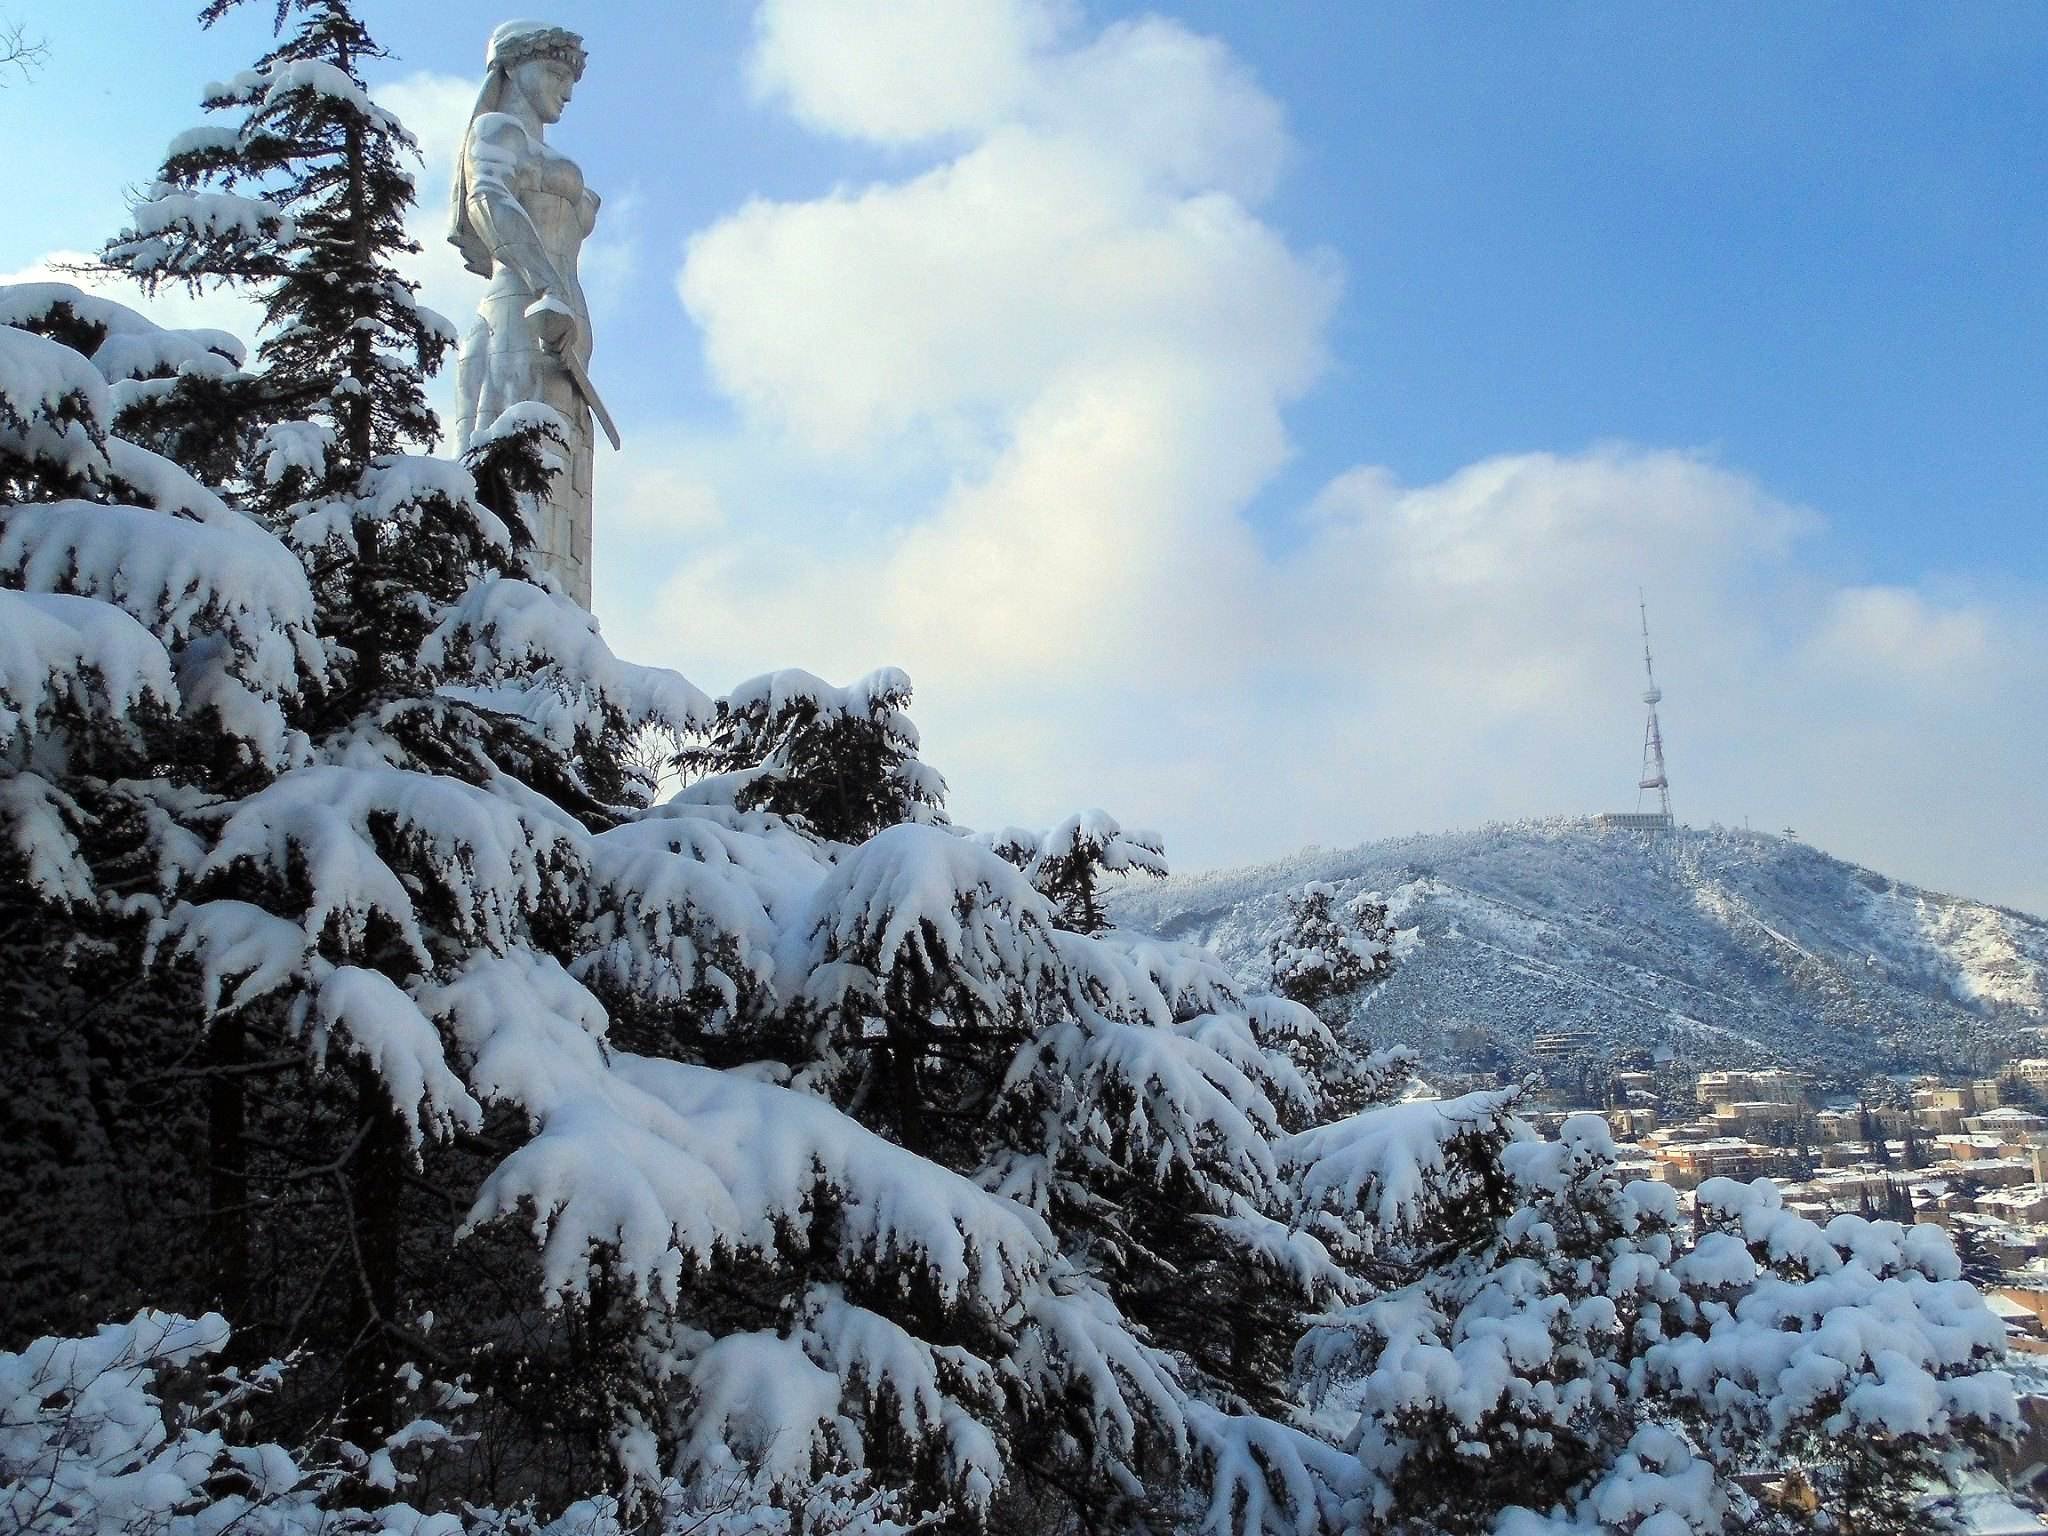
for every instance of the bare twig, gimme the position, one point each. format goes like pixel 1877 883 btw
pixel 19 50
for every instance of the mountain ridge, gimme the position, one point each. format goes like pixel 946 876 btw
pixel 1725 946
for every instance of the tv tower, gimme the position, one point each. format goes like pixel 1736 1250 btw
pixel 1653 735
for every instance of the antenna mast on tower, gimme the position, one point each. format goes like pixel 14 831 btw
pixel 1653 735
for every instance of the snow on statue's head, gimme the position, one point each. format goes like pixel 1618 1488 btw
pixel 514 42
pixel 514 46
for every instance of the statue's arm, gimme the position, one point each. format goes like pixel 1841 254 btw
pixel 496 146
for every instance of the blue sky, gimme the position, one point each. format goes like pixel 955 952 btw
pixel 1400 344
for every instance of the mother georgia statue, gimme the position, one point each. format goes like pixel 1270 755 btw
pixel 521 214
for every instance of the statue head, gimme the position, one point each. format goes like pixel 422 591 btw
pixel 540 62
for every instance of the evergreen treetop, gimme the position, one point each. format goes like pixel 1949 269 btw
pixel 304 200
pixel 1318 954
pixel 842 762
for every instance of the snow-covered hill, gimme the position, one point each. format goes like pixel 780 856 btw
pixel 1727 946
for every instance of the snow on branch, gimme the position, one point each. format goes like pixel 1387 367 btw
pixel 40 827
pixel 567 677
pixel 130 356
pixel 55 412
pixel 1106 842
pixel 684 901
pixel 378 1022
pixel 663 1162
pixel 123 345
pixel 1399 1164
pixel 1271 1479
pixel 779 1404
pixel 879 697
pixel 174 232
pixel 1160 1097
pixel 667 1162
pixel 243 952
pixel 175 577
pixel 919 899
pixel 359 839
pixel 71 658
pixel 1075 1341
pixel 940 1390
pixel 1656 1487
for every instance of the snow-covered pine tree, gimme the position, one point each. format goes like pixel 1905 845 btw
pixel 433 659
pixel 1913 1152
pixel 1856 1353
pixel 1977 1266
pixel 840 761
pixel 1316 955
pixel 304 198
pixel 1568 1363
pixel 153 643
pixel 1501 1373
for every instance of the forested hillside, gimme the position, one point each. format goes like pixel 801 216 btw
pixel 1724 945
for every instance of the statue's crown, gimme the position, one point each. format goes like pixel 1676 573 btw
pixel 517 41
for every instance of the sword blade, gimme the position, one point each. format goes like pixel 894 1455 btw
pixel 574 366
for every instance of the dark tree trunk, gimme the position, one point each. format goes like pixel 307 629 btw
pixel 375 1180
pixel 227 1182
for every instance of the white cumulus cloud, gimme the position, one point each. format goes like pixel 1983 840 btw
pixel 1001 416
pixel 899 71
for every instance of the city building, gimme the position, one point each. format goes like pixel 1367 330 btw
pixel 1772 1084
pixel 2011 1124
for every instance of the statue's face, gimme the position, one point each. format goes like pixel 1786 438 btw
pixel 547 84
